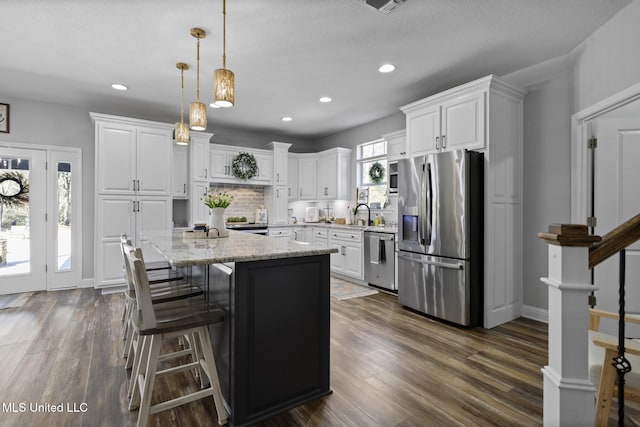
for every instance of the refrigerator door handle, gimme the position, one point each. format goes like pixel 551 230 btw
pixel 429 193
pixel 453 266
pixel 421 207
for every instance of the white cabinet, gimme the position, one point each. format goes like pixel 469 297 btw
pixel 221 162
pixel 485 115
pixel 280 162
pixel 180 178
pixel 302 234
pixel 132 159
pixel 280 232
pixel 199 211
pixel 134 175
pixel 319 236
pixel 444 123
pixel 199 158
pixel 276 201
pixel 349 259
pixel 396 145
pixel 333 174
pixel 292 187
pixel 307 177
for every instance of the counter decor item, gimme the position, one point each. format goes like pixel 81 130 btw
pixel 261 216
pixel 4 118
pixel 376 172
pixel 244 166
pixel 217 202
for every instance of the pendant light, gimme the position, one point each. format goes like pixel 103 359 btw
pixel 182 130
pixel 223 79
pixel 197 110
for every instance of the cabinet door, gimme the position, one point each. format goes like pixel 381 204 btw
pixel 423 127
pixel 154 162
pixel 116 159
pixel 280 167
pixel 265 168
pixel 280 205
pixel 115 215
pixel 153 215
pixel 396 146
pixel 180 171
pixel 353 260
pixel 463 122
pixel 292 188
pixel 199 211
pixel 327 180
pixel 199 158
pixel 307 178
pixel 220 163
pixel 337 259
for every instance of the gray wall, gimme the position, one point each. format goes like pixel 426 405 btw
pixel 34 122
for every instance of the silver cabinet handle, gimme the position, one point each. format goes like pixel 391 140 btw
pixel 277 177
pixel 134 185
pixel 444 141
pixel 206 173
pixel 289 191
pixel 342 250
pixel 133 208
pixel 277 194
pixel 138 185
pixel 301 192
pixel 184 188
pixel 437 142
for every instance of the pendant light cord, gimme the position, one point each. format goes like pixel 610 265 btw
pixel 198 73
pixel 182 96
pixel 224 34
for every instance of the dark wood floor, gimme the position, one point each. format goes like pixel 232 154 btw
pixel 389 367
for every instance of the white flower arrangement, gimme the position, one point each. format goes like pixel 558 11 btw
pixel 217 199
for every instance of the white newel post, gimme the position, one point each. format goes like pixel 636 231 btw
pixel 568 393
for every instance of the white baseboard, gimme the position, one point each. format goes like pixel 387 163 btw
pixel 112 290
pixel 87 283
pixel 535 313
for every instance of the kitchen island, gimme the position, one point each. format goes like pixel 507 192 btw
pixel 272 350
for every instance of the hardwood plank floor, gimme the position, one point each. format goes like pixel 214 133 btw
pixel 389 367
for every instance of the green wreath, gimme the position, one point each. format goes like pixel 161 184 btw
pixel 14 189
pixel 376 172
pixel 244 166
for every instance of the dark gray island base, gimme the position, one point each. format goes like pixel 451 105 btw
pixel 272 350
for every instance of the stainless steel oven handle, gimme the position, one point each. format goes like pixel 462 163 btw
pixel 455 266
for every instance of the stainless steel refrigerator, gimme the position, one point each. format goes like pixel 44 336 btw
pixel 440 235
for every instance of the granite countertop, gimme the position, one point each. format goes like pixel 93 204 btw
pixel 238 247
pixel 379 228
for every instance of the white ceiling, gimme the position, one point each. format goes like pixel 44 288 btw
pixel 285 53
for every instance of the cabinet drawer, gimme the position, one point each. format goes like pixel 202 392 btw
pixel 279 232
pixel 320 232
pixel 346 236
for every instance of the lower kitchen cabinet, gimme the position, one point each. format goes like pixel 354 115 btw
pixel 301 234
pixel 280 232
pixel 319 236
pixel 349 260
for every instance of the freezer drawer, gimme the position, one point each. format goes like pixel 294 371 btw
pixel 440 287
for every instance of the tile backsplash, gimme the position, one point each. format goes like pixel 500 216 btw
pixel 246 199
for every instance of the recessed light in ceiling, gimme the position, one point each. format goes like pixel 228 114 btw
pixel 325 99
pixel 387 68
pixel 287 119
pixel 118 86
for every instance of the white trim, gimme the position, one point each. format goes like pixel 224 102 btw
pixel 108 290
pixel 535 313
pixel 87 283
pixel 579 155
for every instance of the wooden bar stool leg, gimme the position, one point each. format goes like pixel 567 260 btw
pixel 138 365
pixel 147 380
pixel 210 368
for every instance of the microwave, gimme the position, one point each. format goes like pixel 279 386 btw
pixel 392 179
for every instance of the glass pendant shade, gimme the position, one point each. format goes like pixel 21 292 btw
pixel 223 87
pixel 198 116
pixel 182 133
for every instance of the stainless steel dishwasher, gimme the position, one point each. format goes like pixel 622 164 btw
pixel 379 259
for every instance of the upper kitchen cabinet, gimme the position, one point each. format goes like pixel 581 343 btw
pixel 307 177
pixel 132 156
pixel 280 162
pixel 199 158
pixel 221 159
pixel 448 121
pixel 180 179
pixel 396 147
pixel 292 178
pixel 332 181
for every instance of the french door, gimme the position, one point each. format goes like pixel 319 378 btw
pixel 39 219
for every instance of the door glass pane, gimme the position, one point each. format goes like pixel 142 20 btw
pixel 15 249
pixel 63 210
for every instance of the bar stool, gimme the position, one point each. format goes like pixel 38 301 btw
pixel 154 324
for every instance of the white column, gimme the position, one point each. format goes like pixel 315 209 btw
pixel 568 392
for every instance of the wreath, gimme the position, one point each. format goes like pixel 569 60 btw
pixel 14 189
pixel 244 166
pixel 376 172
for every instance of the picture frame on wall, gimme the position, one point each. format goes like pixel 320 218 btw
pixel 4 118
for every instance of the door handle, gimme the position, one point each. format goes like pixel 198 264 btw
pixel 444 141
pixel 278 177
pixel 206 173
pixel 456 266
pixel 437 142
pixel 184 188
pixel 277 194
pixel 342 250
pixel 301 192
pixel 133 207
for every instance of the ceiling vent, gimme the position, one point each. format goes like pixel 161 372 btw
pixel 384 6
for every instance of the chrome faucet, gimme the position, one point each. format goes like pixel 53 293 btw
pixel 368 214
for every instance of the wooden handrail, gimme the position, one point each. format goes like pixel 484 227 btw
pixel 614 241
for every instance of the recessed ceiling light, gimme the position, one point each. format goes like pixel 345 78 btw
pixel 287 119
pixel 118 86
pixel 213 105
pixel 325 99
pixel 387 68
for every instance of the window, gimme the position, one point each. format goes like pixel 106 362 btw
pixel 368 154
